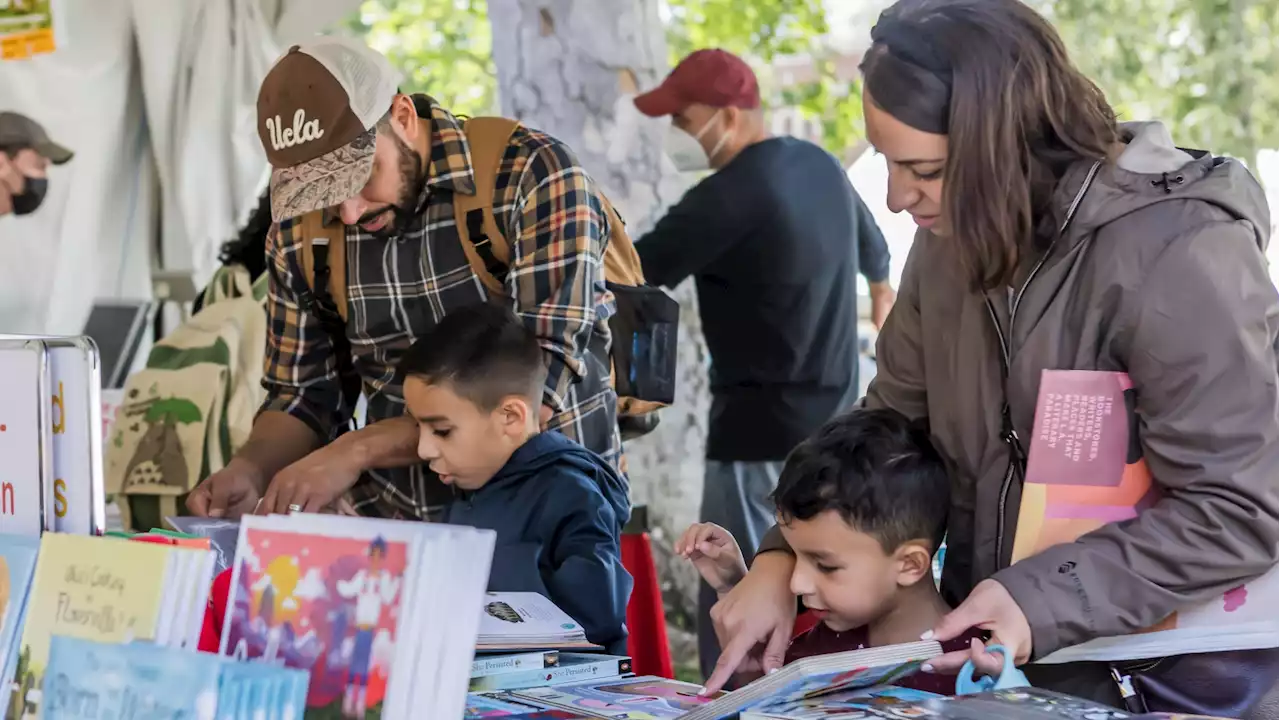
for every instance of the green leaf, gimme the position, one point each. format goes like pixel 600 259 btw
pixel 174 409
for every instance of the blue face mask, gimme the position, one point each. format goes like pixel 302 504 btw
pixel 34 190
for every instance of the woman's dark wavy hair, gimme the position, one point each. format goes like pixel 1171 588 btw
pixel 249 248
pixel 993 76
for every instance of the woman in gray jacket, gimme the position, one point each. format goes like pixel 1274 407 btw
pixel 1052 237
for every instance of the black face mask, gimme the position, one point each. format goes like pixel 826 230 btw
pixel 31 197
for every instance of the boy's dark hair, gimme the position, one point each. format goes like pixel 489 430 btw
pixel 875 468
pixel 483 352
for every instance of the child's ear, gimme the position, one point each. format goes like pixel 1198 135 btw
pixel 915 561
pixel 514 412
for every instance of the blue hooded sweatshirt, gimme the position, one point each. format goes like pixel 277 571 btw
pixel 558 510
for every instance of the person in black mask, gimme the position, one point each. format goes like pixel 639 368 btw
pixel 25 154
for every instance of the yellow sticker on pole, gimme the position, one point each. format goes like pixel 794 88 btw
pixel 26 28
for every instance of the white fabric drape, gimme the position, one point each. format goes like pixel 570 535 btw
pixel 156 97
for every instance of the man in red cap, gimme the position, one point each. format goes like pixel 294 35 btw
pixel 774 239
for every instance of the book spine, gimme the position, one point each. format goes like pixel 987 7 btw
pixel 499 664
pixel 552 676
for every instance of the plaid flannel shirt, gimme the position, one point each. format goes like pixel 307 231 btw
pixel 397 289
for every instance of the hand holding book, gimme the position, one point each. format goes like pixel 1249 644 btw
pixel 989 607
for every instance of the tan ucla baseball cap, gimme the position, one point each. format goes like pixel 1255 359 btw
pixel 318 109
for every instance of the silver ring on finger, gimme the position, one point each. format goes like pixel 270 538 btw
pixel 295 508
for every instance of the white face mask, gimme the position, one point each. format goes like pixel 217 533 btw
pixel 685 150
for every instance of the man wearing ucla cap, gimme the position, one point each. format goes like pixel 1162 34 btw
pixel 774 240
pixel 384 168
pixel 25 154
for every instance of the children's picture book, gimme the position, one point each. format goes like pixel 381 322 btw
pixel 510 621
pixel 107 590
pixel 481 706
pixel 329 595
pixel 636 698
pixel 88 680
pixel 325 604
pixel 1086 469
pixel 572 668
pixel 838 703
pixel 17 569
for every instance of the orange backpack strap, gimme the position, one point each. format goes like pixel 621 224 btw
pixel 324 237
pixel 486 249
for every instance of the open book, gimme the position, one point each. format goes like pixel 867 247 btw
pixel 1011 704
pixel 1086 469
pixel 512 621
pixel 650 697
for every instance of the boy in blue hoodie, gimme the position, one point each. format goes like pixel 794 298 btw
pixel 474 384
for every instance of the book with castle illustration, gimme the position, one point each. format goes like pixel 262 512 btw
pixel 1086 469
pixel 107 590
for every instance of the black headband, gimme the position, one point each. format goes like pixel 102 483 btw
pixel 909 78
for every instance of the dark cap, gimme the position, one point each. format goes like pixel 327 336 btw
pixel 21 132
pixel 318 108
pixel 710 77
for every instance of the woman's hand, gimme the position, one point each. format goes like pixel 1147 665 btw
pixel 755 620
pixel 989 607
pixel 715 554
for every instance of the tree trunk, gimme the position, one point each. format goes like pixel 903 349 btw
pixel 570 67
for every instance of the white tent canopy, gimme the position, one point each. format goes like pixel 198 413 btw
pixel 156 98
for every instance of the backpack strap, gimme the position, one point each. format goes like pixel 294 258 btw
pixel 324 265
pixel 482 241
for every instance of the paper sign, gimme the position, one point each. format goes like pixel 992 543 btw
pixel 23 434
pixel 78 503
pixel 26 28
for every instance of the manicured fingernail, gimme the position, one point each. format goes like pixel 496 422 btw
pixel 774 670
pixel 926 668
pixel 927 635
pixel 702 691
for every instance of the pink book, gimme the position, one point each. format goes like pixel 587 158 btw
pixel 1086 469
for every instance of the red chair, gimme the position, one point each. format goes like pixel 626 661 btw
pixel 646 620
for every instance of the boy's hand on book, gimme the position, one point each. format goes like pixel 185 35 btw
pixel 715 554
pixel 988 607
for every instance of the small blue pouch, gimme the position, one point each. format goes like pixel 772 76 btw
pixel 1010 676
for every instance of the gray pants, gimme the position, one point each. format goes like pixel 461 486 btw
pixel 735 496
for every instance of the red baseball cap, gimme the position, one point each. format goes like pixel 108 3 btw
pixel 711 77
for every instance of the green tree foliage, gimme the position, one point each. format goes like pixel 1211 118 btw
pixel 443 47
pixel 763 31
pixel 1208 68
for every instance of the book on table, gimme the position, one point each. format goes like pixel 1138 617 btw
pixel 1085 469
pixel 896 703
pixel 570 668
pixel 652 697
pixel 111 591
pixel 358 603
pixel 514 621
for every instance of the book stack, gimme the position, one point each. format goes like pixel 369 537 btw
pixel 375 611
pixel 87 680
pixel 512 622
pixel 569 668
pixel 112 591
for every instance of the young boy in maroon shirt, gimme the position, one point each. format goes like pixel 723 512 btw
pixel 863 503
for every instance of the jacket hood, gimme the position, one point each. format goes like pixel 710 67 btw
pixel 552 448
pixel 1152 170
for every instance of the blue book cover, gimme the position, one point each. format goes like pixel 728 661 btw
pixel 17 572
pixel 87 680
pixel 572 668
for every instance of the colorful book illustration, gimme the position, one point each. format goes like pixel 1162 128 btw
pixel 525 620
pixel 485 665
pixel 1013 704
pixel 107 590
pixel 481 706
pixel 572 668
pixel 325 594
pixel 637 698
pixel 836 704
pixel 17 570
pixel 1086 469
